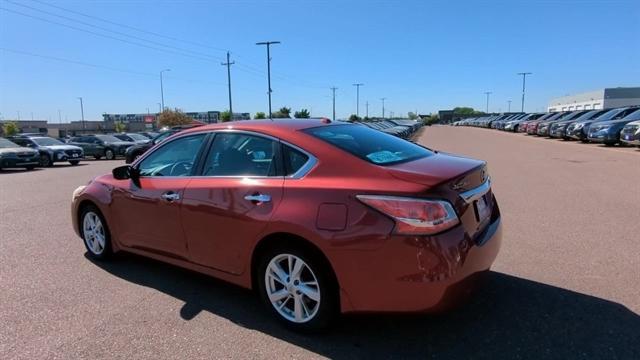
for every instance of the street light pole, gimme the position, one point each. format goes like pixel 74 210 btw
pixel 162 89
pixel 509 101
pixel 268 45
pixel 82 113
pixel 383 99
pixel 358 98
pixel 524 77
pixel 488 93
pixel 367 113
pixel 333 90
pixel 228 65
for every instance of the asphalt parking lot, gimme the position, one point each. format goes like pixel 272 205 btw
pixel 565 284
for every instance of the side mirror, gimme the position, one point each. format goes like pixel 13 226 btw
pixel 127 172
pixel 122 172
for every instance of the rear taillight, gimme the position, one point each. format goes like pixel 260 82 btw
pixel 414 216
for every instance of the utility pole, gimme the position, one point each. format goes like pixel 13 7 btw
pixel 487 93
pixel 148 113
pixel 159 108
pixel 18 115
pixel 383 99
pixel 358 98
pixel 59 117
pixel 82 113
pixel 509 101
pixel 333 90
pixel 32 116
pixel 162 88
pixel 228 65
pixel 268 45
pixel 524 77
pixel 367 104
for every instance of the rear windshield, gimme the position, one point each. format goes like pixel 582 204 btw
pixel 368 144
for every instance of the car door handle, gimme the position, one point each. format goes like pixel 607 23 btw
pixel 258 198
pixel 170 196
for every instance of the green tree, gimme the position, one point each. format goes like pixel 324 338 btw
pixel 302 114
pixel 354 117
pixel 225 116
pixel 412 116
pixel 466 111
pixel 10 128
pixel 175 117
pixel 120 126
pixel 260 115
pixel 284 112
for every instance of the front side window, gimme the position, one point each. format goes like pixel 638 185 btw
pixel 175 158
pixel 240 154
pixel 47 141
pixel 371 145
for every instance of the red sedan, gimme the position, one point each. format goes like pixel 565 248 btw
pixel 319 217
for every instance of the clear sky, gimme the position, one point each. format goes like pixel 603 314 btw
pixel 420 55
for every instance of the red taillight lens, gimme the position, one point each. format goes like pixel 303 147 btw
pixel 414 216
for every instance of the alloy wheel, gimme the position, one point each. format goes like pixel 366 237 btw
pixel 94 233
pixel 292 288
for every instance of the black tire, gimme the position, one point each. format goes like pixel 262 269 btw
pixel 328 304
pixel 45 160
pixel 29 168
pixel 74 162
pixel 97 157
pixel 109 154
pixel 106 249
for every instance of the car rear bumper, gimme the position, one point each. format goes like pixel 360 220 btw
pixel 417 274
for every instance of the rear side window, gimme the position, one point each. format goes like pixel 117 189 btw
pixel 371 145
pixel 239 154
pixel 293 160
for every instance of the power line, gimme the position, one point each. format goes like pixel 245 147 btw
pixel 129 26
pixel 113 31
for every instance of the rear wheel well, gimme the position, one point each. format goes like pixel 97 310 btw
pixel 287 240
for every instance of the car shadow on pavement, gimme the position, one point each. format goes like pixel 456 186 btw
pixel 509 317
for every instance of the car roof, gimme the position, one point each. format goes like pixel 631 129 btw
pixel 268 125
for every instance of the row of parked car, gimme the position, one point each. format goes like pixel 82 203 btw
pixel 608 126
pixel 32 150
pixel 403 128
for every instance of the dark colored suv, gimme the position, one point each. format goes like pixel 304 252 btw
pixel 14 156
pixel 99 146
pixel 51 150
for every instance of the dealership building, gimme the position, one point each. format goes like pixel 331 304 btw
pixel 601 99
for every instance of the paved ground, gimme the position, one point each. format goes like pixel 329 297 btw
pixel 564 286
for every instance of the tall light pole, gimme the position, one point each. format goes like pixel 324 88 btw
pixel 333 90
pixel 358 98
pixel 524 77
pixel 509 102
pixel 59 117
pixel 487 93
pixel 383 99
pixel 228 65
pixel 268 45
pixel 82 113
pixel 367 107
pixel 162 88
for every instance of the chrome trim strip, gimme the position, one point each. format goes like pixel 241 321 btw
pixel 304 169
pixel 474 194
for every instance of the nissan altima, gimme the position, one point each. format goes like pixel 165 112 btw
pixel 319 217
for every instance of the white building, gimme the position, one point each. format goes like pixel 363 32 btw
pixel 600 99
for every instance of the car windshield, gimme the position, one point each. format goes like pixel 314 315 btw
pixel 137 137
pixel 4 143
pixel 45 141
pixel 108 138
pixel 368 144
pixel 609 114
pixel 633 116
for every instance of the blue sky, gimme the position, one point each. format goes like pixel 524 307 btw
pixel 420 55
